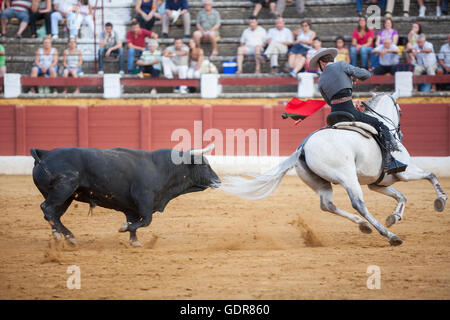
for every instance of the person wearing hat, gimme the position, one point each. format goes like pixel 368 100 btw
pixel 336 86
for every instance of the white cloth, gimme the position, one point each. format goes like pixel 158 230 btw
pixel 65 5
pixel 426 59
pixel 253 38
pixel 389 59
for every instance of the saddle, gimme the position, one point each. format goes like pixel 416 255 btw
pixel 346 121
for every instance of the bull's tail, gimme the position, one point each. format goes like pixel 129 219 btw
pixel 262 186
pixel 38 156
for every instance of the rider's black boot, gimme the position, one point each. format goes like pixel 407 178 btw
pixel 393 165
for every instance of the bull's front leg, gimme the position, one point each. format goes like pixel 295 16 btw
pixel 131 218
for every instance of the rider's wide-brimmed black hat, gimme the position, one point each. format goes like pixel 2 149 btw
pixel 313 63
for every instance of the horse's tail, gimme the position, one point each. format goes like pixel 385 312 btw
pixel 262 186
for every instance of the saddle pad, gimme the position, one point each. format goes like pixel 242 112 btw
pixel 361 125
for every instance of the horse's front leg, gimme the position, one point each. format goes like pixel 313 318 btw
pixel 415 173
pixel 397 195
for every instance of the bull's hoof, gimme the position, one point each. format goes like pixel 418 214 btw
pixel 365 228
pixel 391 220
pixel 71 240
pixel 135 243
pixel 58 236
pixel 124 227
pixel 439 204
pixel 395 241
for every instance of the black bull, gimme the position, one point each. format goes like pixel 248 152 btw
pixel 135 182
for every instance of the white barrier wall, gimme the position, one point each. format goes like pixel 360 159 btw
pixel 21 165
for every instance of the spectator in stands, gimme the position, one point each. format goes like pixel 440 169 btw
pixel 387 33
pixel 19 9
pixel 343 53
pixel 72 62
pixel 64 9
pixel 390 8
pixel 136 42
pixel 195 60
pixel 110 45
pixel 416 30
pixel 444 58
pixel 359 7
pixel 388 57
pixel 277 41
pixel 422 8
pixel 41 10
pixel 146 13
pixel 175 9
pixel 85 15
pixel 266 3
pixel 362 43
pixel 251 43
pixel 302 43
pixel 2 62
pixel 317 45
pixel 46 61
pixel 160 9
pixel 150 60
pixel 175 60
pixel 299 7
pixel 425 58
pixel 208 24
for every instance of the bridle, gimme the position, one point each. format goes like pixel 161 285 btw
pixel 397 128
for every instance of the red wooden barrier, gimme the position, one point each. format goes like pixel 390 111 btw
pixel 426 127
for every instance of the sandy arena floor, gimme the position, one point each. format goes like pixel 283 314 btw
pixel 211 245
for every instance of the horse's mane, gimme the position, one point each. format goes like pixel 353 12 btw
pixel 372 102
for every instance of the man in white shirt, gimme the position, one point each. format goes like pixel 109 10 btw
pixel 444 58
pixel 425 58
pixel 277 40
pixel 175 60
pixel 389 57
pixel 65 9
pixel 252 41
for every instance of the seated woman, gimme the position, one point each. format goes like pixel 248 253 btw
pixel 387 33
pixel 195 60
pixel 85 15
pixel 416 30
pixel 146 13
pixel 362 43
pixel 46 61
pixel 72 62
pixel 343 53
pixel 303 43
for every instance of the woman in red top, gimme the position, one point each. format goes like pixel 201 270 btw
pixel 362 43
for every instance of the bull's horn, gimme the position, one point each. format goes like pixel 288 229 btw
pixel 200 152
pixel 395 95
pixel 373 94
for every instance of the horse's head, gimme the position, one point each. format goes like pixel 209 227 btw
pixel 384 106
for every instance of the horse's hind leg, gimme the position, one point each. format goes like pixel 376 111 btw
pixel 397 195
pixel 354 191
pixel 415 173
pixel 325 191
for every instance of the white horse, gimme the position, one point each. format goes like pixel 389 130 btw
pixel 351 160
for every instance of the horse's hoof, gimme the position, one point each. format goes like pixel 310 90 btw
pixel 439 204
pixel 124 227
pixel 390 220
pixel 57 236
pixel 395 241
pixel 365 228
pixel 135 243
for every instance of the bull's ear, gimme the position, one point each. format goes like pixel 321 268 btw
pixel 200 152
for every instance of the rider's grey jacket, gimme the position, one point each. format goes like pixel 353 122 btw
pixel 337 76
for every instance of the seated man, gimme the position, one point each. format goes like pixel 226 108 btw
pixel 266 3
pixel 110 44
pixel 46 61
pixel 208 23
pixel 175 60
pixel 389 57
pixel 278 39
pixel 425 58
pixel 252 41
pixel 444 58
pixel 64 9
pixel 136 42
pixel 175 9
pixel 19 9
